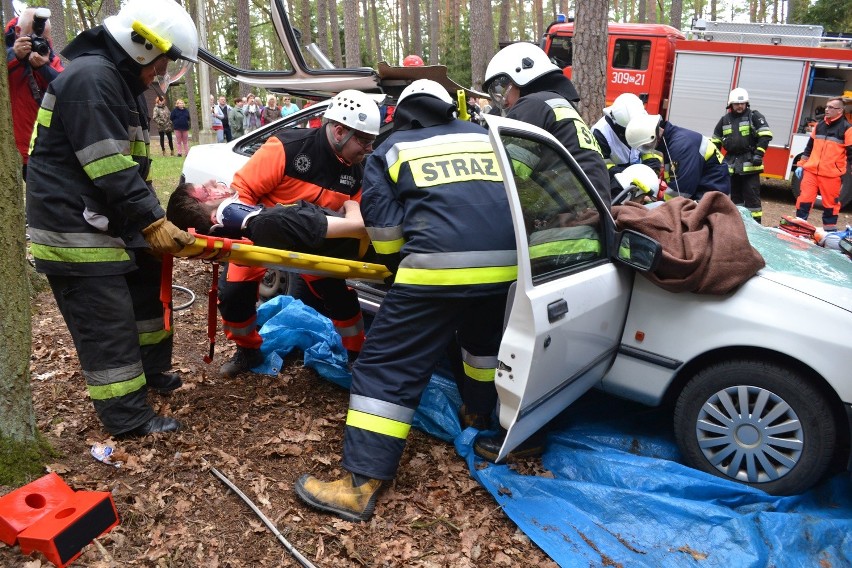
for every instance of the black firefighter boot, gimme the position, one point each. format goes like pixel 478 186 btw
pixel 163 383
pixel 488 447
pixel 243 361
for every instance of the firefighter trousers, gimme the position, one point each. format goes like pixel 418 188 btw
pixel 407 340
pixel 745 190
pixel 238 295
pixel 116 323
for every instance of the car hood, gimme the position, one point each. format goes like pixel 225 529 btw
pixel 801 265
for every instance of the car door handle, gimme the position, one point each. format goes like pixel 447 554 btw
pixel 556 310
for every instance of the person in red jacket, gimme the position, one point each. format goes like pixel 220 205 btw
pixel 827 157
pixel 30 71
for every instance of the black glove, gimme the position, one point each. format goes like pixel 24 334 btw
pixel 757 160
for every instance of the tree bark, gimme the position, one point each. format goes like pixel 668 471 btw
pixel 503 34
pixel 243 35
pixel 368 35
pixel 416 28
pixel 58 29
pixel 17 417
pixel 434 32
pixel 481 40
pixel 590 49
pixel 376 33
pixel 334 24
pixel 676 14
pixel 322 26
pixel 351 33
pixel 404 21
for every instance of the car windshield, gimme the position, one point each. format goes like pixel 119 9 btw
pixel 786 253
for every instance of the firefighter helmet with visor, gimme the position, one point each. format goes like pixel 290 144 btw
pixel 625 107
pixel 519 63
pixel 148 29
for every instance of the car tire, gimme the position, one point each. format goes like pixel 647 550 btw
pixel 783 443
pixel 277 282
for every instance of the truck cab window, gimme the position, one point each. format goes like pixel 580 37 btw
pixel 561 52
pixel 631 54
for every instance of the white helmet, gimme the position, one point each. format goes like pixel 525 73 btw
pixel 147 29
pixel 624 107
pixel 642 130
pixel 425 87
pixel 355 110
pixel 738 95
pixel 640 176
pixel 521 63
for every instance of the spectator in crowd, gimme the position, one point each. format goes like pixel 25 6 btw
pixel 216 121
pixel 180 122
pixel 744 135
pixel 827 157
pixel 226 122
pixel 271 111
pixel 252 113
pixel 97 228
pixel 237 117
pixel 287 107
pixel 30 72
pixel 162 118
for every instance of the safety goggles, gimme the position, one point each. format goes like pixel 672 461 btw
pixel 364 141
pixel 497 90
pixel 168 72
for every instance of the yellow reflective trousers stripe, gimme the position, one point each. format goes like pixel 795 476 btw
pixel 114 390
pixel 377 424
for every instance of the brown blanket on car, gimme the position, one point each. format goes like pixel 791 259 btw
pixel 705 247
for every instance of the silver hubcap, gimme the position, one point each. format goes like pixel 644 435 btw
pixel 749 434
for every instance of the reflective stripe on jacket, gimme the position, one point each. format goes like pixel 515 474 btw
pixel 88 183
pixel 296 164
pixel 439 204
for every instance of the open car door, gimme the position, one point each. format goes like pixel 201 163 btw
pixel 570 302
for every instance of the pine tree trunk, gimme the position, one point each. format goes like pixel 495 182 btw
pixel 375 15
pixel 243 35
pixel 322 26
pixel 590 48
pixel 17 418
pixel 57 25
pixel 416 28
pixel 434 32
pixel 351 33
pixel 481 40
pixel 334 25
pixel 368 36
pixel 676 14
pixel 503 35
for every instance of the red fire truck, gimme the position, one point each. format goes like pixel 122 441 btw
pixel 789 72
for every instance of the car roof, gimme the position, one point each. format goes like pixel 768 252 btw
pixel 305 81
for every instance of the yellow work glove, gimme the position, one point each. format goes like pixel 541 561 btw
pixel 165 237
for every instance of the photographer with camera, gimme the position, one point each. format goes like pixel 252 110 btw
pixel 32 66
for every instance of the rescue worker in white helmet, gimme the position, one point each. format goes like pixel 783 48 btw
pixel 692 163
pixel 96 225
pixel 527 86
pixel 744 135
pixel 438 216
pixel 317 165
pixel 609 133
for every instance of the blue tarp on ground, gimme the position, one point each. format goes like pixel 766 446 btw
pixel 617 492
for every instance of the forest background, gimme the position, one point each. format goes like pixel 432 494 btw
pixel 460 34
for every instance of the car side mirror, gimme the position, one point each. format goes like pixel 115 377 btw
pixel 638 251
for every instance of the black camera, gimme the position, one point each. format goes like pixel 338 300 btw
pixel 39 43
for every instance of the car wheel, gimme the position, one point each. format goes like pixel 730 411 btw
pixel 277 282
pixel 756 423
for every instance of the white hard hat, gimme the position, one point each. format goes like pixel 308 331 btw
pixel 641 176
pixel 625 107
pixel 738 95
pixel 355 110
pixel 520 62
pixel 147 29
pixel 425 87
pixel 642 130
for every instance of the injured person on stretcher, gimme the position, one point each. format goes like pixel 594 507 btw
pixel 212 208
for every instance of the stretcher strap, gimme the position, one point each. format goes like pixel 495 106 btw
pixel 166 290
pixel 211 251
pixel 211 313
